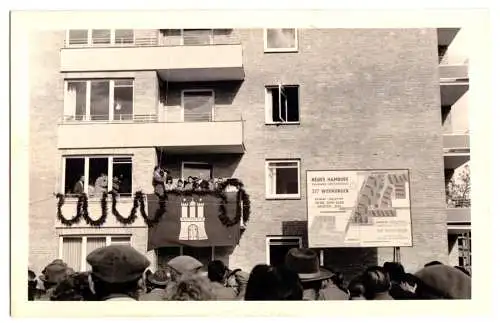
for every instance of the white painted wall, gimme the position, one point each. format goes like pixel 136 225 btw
pixel 458 50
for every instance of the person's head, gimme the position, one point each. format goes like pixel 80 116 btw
pixel 158 280
pixel 169 180
pixel 376 281
pixel 356 289
pixel 180 183
pixel 156 168
pixel 190 179
pixel 395 270
pixel 442 282
pixel 191 287
pixel 305 262
pixel 183 265
pixel 204 185
pixel 433 263
pixel 117 269
pixel 217 271
pixel 82 178
pixel 268 283
pixel 54 273
pixel 75 287
pixel 338 279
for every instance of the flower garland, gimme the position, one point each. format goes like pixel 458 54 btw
pixel 242 211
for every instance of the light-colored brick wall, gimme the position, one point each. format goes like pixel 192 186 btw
pixel 362 106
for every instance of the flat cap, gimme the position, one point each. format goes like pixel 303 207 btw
pixel 449 282
pixel 117 264
pixel 184 264
pixel 54 272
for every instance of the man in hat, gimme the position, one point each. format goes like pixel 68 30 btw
pixel 442 282
pixel 182 265
pixel 218 274
pixel 52 274
pixel 116 271
pixel 315 280
pixel 157 282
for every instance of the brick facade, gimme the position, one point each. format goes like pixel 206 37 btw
pixel 363 105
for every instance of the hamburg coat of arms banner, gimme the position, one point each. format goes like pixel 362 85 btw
pixel 195 220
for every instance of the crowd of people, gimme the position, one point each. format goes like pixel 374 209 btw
pixel 120 273
pixel 162 181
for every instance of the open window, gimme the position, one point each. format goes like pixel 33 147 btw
pixel 283 179
pixel 280 40
pixel 282 104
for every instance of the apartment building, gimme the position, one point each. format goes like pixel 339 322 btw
pixel 454 59
pixel 262 106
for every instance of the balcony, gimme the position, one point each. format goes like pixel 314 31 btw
pixel 458 211
pixel 221 134
pixel 188 57
pixel 124 205
pixel 456 149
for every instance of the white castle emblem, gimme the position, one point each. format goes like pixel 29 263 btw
pixel 192 220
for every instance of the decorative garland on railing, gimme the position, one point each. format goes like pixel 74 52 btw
pixel 242 209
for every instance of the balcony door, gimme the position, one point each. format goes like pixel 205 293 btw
pixel 198 105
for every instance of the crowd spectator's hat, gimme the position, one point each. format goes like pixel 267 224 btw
pixel 305 263
pixel 54 272
pixel 117 264
pixel 184 264
pixel 445 282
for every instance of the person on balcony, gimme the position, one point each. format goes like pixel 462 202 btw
pixel 78 188
pixel 180 185
pixel 189 184
pixel 170 186
pixel 159 181
pixel 101 184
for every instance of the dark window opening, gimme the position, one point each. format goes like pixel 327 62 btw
pixel 285 104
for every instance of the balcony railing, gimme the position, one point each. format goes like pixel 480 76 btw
pixel 458 203
pixel 157 38
pixel 96 118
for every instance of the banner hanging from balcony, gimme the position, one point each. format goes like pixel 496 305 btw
pixel 359 208
pixel 195 218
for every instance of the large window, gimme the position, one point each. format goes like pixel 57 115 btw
pixel 99 37
pixel 99 100
pixel 282 104
pixel 277 248
pixel 203 254
pixel 96 175
pixel 198 105
pixel 74 249
pixel 280 40
pixel 282 179
pixel 197 36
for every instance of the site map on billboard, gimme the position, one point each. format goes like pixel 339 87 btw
pixel 358 208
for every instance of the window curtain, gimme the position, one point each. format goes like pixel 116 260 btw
pixel 70 101
pixel 72 252
pixel 93 244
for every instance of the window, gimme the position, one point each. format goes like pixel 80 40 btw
pixel 277 248
pixel 99 100
pixel 74 249
pixel 200 170
pixel 90 175
pixel 280 40
pixel 282 104
pixel 99 37
pixel 197 36
pixel 282 179
pixel 203 254
pixel 198 105
pixel 124 36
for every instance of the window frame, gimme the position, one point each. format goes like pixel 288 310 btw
pixel 211 37
pixel 268 105
pixel 294 49
pixel 270 196
pixel 89 43
pixel 83 237
pixel 194 91
pixel 87 172
pixel 88 96
pixel 270 243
